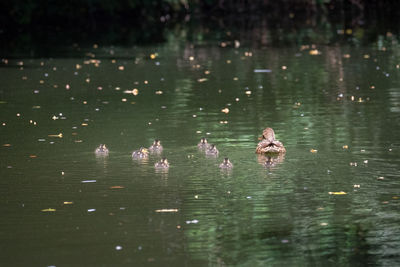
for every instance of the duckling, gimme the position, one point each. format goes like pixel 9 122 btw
pixel 156 147
pixel 268 144
pixel 203 144
pixel 226 164
pixel 212 151
pixel 142 153
pixel 162 164
pixel 101 150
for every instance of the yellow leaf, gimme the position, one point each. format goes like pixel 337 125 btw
pixel 314 52
pixel 49 210
pixel 60 135
pixel 338 193
pixel 116 187
pixel 167 210
pixel 313 150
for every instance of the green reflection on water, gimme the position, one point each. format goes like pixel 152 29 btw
pixel 253 215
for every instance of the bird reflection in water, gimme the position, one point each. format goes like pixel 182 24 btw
pixel 270 160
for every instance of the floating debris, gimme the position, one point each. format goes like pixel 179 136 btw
pixel 88 181
pixel 91 210
pixel 313 150
pixel 166 210
pixel 345 147
pixel 262 70
pixel 225 110
pixel 201 80
pixel 60 135
pixel 117 187
pixel 314 52
pixel 49 210
pixel 192 221
pixel 68 202
pixel 337 193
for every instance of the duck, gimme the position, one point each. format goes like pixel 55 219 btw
pixel 203 143
pixel 162 164
pixel 101 150
pixel 269 144
pixel 212 151
pixel 156 146
pixel 142 153
pixel 226 164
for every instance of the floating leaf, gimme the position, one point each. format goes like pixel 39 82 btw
pixel 313 150
pixel 117 187
pixel 167 210
pixel 68 202
pixel 225 110
pixel 49 210
pixel 60 135
pixel 88 181
pixel 314 52
pixel 338 193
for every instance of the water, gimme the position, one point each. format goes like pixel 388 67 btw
pixel 336 110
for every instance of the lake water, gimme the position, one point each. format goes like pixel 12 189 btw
pixel 333 198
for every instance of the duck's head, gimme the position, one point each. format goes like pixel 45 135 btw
pixel 226 161
pixel 268 134
pixel 203 140
pixel 164 160
pixel 102 147
pixel 157 142
pixel 144 150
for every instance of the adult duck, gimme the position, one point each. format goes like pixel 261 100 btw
pixel 269 144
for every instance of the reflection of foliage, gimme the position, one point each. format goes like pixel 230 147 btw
pixel 140 21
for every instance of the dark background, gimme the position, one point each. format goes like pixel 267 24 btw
pixel 38 25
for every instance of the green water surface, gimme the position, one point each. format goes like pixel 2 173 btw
pixel 336 110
